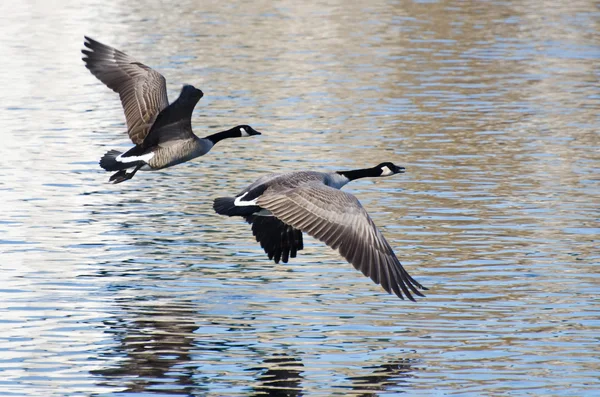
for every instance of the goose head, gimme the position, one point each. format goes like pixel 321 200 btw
pixel 387 169
pixel 246 130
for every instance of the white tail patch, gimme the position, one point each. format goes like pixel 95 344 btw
pixel 130 159
pixel 385 171
pixel 239 203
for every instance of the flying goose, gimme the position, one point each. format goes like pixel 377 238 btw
pixel 280 207
pixel 162 132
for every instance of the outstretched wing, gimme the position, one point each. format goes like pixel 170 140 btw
pixel 280 241
pixel 175 121
pixel 339 220
pixel 142 90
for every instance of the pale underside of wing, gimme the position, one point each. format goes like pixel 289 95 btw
pixel 338 219
pixel 142 90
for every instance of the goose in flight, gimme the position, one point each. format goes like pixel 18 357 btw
pixel 162 132
pixel 280 207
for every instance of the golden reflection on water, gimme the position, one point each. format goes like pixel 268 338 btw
pixel 492 108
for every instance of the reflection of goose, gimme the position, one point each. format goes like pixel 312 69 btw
pixel 282 206
pixel 382 378
pixel 160 346
pixel 154 345
pixel 162 133
pixel 282 376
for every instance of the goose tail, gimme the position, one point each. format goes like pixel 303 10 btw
pixel 109 161
pixel 226 206
pixel 112 162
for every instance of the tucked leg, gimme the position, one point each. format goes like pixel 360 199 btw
pixel 123 175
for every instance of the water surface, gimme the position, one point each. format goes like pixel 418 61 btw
pixel 139 289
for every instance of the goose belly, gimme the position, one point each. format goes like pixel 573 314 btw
pixel 177 153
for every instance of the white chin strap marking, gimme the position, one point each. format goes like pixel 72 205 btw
pixel 385 171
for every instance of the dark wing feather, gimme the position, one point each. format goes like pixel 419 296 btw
pixel 175 121
pixel 142 90
pixel 338 219
pixel 280 241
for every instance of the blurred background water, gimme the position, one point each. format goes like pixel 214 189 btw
pixel 139 289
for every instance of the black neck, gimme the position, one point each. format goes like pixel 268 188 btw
pixel 362 173
pixel 232 133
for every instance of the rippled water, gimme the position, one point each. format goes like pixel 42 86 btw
pixel 139 289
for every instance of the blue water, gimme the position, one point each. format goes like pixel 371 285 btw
pixel 139 289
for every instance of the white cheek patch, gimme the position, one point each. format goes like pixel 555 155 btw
pixel 239 203
pixel 130 159
pixel 244 133
pixel 385 171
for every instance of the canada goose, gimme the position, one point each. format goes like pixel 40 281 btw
pixel 282 206
pixel 162 133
